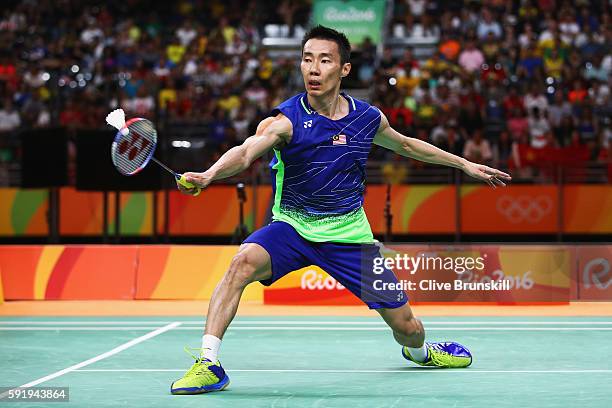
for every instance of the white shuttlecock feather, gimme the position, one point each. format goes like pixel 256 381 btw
pixel 117 120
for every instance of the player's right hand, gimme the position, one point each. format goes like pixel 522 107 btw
pixel 200 180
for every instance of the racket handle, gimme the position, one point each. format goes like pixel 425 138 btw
pixel 183 182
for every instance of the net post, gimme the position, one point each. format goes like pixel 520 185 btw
pixel 105 216
pixel 117 216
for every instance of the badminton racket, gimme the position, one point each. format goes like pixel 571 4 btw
pixel 134 146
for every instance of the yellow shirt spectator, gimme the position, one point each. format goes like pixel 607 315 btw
pixel 166 95
pixel 265 69
pixel 175 52
pixel 553 66
pixel 229 103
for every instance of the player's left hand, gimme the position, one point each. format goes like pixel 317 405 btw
pixel 492 176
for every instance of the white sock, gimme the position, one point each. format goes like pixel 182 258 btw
pixel 210 347
pixel 419 354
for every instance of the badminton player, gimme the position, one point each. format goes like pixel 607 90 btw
pixel 320 140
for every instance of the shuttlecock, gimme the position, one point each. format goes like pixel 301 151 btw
pixel 117 120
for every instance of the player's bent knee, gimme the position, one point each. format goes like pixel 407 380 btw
pixel 241 271
pixel 248 265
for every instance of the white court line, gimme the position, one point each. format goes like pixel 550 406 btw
pixel 298 322
pixel 304 328
pixel 407 371
pixel 99 357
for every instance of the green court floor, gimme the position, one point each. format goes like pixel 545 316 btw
pixel 312 362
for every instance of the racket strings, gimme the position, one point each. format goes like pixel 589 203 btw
pixel 131 153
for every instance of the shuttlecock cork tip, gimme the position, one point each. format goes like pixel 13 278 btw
pixel 117 120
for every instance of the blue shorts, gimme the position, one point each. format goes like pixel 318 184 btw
pixel 349 264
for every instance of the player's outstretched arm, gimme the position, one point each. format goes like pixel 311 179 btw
pixel 389 138
pixel 271 132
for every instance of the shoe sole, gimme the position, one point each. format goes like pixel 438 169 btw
pixel 220 386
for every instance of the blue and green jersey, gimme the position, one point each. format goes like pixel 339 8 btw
pixel 319 177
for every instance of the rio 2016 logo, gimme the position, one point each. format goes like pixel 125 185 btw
pixel 311 280
pixel 596 273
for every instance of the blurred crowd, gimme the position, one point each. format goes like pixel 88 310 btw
pixel 508 81
pixel 68 62
pixel 505 75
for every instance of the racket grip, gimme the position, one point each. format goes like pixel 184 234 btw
pixel 183 182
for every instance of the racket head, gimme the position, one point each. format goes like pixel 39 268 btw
pixel 134 146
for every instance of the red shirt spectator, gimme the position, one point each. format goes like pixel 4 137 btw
pixel 72 116
pixel 513 102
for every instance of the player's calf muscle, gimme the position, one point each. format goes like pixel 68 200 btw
pixel 409 333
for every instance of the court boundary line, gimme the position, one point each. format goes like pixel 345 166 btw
pixel 299 328
pixel 97 358
pixel 297 322
pixel 409 370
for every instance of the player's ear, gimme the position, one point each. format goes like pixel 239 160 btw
pixel 346 68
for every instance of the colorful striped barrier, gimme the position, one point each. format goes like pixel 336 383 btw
pixel 538 274
pixel 421 209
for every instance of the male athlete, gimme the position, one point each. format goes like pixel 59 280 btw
pixel 321 140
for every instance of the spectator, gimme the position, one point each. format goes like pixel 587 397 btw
pixel 218 128
pixel 539 129
pixel 10 119
pixel 140 105
pixel 518 124
pixel 488 26
pixel 186 33
pixel 478 149
pixel 471 58
pixel 535 99
pixel 531 64
pixel 553 65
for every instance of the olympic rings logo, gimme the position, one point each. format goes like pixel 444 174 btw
pixel 524 208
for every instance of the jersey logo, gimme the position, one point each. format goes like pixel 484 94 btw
pixel 338 140
pixel 308 124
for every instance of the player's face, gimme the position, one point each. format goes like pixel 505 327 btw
pixel 321 67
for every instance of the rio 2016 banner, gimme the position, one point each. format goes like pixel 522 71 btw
pixel 505 274
pixel 426 273
pixel 357 19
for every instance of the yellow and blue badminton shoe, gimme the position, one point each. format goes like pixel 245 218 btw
pixel 446 354
pixel 203 376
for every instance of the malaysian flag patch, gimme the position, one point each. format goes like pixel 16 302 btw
pixel 338 140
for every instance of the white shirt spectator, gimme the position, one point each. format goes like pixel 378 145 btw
pixel 606 63
pixel 417 7
pixel 236 47
pixel 535 101
pixel 140 105
pixel 34 79
pixel 256 95
pixel 186 35
pixel 241 125
pixel 538 129
pixel 485 28
pixel 568 31
pixel 9 120
pixel 556 113
pixel 191 67
pixel 44 118
pixel 90 34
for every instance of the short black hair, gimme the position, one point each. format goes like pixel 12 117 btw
pixel 325 33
